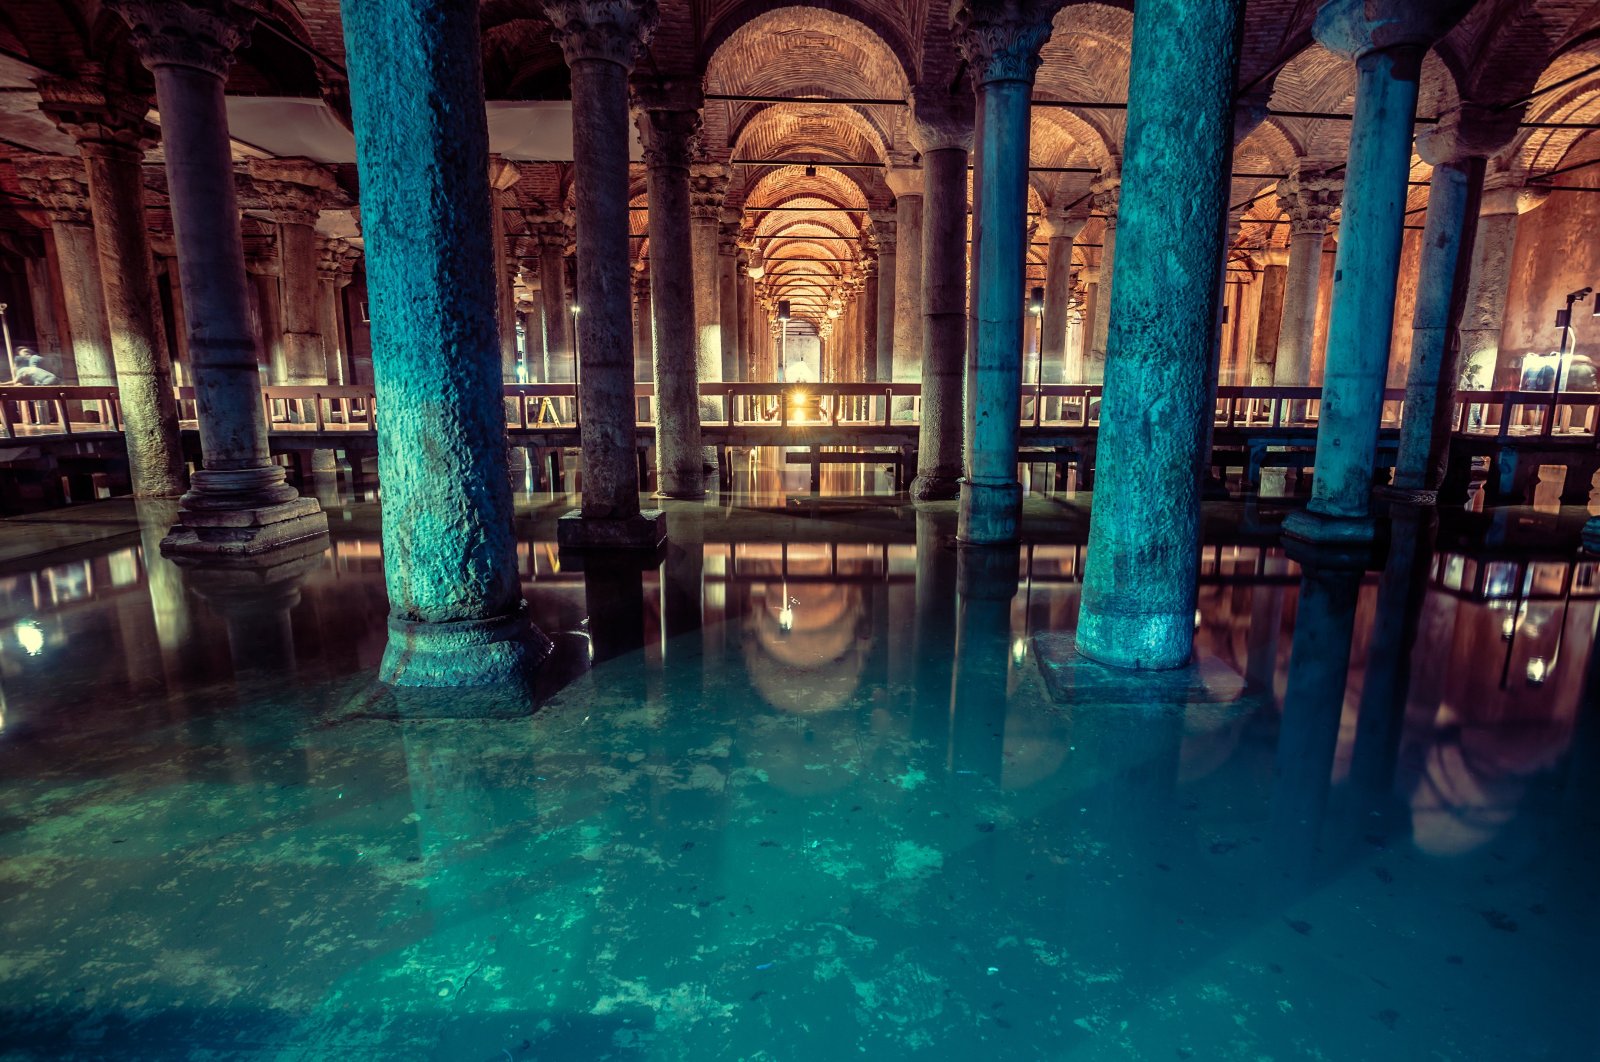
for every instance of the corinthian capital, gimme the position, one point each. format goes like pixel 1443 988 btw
pixel 1310 197
pixel 1001 39
pixel 204 34
pixel 883 230
pixel 1105 194
pixel 1355 27
pixel 669 137
pixel 613 31
pixel 57 184
pixel 941 120
pixel 708 187
pixel 99 117
pixel 294 190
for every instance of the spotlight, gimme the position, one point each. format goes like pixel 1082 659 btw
pixel 811 171
pixel 1036 301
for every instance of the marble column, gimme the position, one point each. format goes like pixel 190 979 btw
pixel 503 175
pixel 59 186
pixel 560 362
pixel 239 503
pixel 1107 193
pixel 112 133
pixel 1504 201
pixel 668 136
pixel 456 616
pixel 1387 40
pixel 905 360
pixel 1457 148
pixel 942 133
pixel 1058 364
pixel 601 40
pixel 708 186
pixel 1269 317
pixel 1309 197
pixel 728 291
pixel 46 336
pixel 262 271
pixel 1139 587
pixel 294 191
pixel 335 264
pixel 885 238
pixel 1000 40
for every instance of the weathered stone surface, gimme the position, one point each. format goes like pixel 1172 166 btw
pixel 646 529
pixel 1143 555
pixel 456 612
pixel 944 323
pixel 60 186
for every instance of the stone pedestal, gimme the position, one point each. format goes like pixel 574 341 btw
pixel 1143 558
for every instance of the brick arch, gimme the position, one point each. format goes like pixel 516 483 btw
pixel 739 31
pixel 1539 150
pixel 53 34
pixel 849 187
pixel 843 133
pixel 1087 58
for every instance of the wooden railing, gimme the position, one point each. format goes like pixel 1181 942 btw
pixel 28 412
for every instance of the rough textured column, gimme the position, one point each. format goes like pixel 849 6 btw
pixel 601 40
pixel 294 190
pixel 456 617
pixel 644 333
pixel 1309 197
pixel 906 351
pixel 1387 40
pixel 1269 319
pixel 885 238
pixel 942 133
pixel 708 186
pixel 560 361
pixel 668 136
pixel 46 337
pixel 1000 40
pixel 1144 532
pixel 502 176
pixel 1107 193
pixel 1490 279
pixel 112 133
pixel 58 185
pixel 728 291
pixel 1053 353
pixel 238 504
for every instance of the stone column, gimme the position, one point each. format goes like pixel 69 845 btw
pixel 238 504
pixel 1484 317
pixel 1139 586
pixel 560 362
pixel 906 183
pixel 58 185
pixel 1092 309
pixel 263 276
pixel 1057 362
pixel 1107 192
pixel 456 616
pixel 668 136
pixel 942 133
pixel 335 262
pixel 886 237
pixel 1309 197
pixel 1269 319
pixel 601 40
pixel 294 191
pixel 42 302
pixel 708 186
pixel 644 334
pixel 728 291
pixel 112 133
pixel 502 176
pixel 1387 40
pixel 533 320
pixel 1000 40
pixel 1457 149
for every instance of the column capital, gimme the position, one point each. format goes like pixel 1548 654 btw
pixel 503 173
pixel 903 180
pixel 883 230
pixel 1105 194
pixel 100 118
pixel 1354 28
pixel 1001 39
pixel 1468 131
pixel 708 187
pixel 729 231
pixel 57 183
pixel 1057 225
pixel 336 259
pixel 1274 256
pixel 1507 194
pixel 293 189
pixel 941 120
pixel 203 34
pixel 1309 197
pixel 669 137
pixel 610 31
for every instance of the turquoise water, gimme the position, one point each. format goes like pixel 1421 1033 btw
pixel 813 787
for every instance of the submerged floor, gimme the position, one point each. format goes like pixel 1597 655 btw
pixel 802 791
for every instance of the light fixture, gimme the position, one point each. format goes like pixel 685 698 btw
pixel 811 171
pixel 1036 301
pixel 783 309
pixel 576 309
pixel 1538 667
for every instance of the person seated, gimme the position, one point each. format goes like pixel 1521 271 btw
pixel 30 370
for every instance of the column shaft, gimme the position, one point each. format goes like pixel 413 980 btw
pixel 1053 324
pixel 944 323
pixel 1299 322
pixel 559 361
pixel 1095 365
pixel 1143 558
pixel 728 305
pixel 81 287
pixel 1269 323
pixel 906 359
pixel 304 360
pixel 1484 318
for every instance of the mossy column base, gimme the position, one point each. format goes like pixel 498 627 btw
pixel 990 513
pixel 465 653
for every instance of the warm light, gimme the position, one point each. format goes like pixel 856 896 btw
pixel 30 636
pixel 1196 619
pixel 1019 651
pixel 576 310
pixel 797 398
pixel 1508 629
pixel 1537 668
pixel 786 619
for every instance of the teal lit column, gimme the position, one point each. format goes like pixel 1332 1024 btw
pixel 1387 39
pixel 1000 40
pixel 456 616
pixel 601 40
pixel 1144 532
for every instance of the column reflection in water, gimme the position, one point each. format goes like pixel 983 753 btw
pixel 933 634
pixel 986 582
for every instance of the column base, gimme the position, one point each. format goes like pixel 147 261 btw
pixel 1136 641
pixel 1406 495
pixel 990 512
pixel 934 487
pixel 682 488
pixel 647 530
pixel 324 461
pixel 1320 528
pixel 244 532
pixel 480 652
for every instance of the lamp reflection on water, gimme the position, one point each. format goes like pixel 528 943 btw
pixel 30 636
